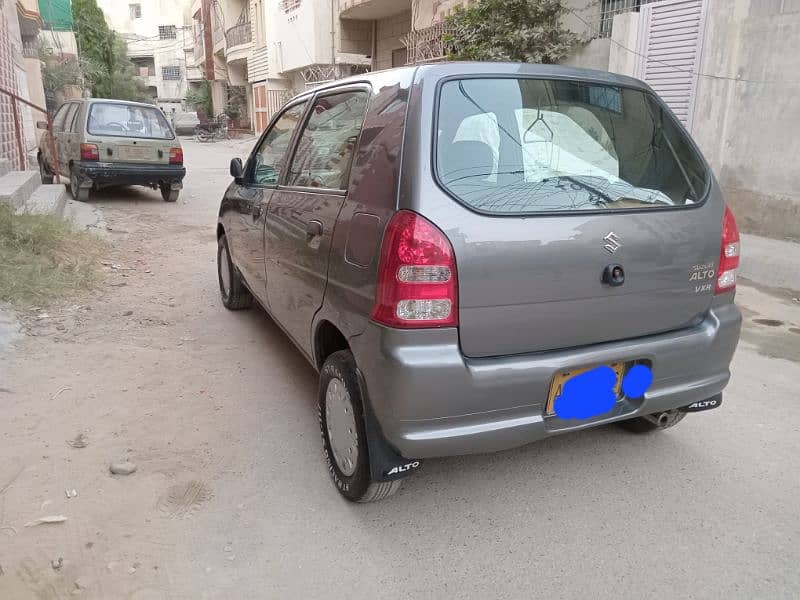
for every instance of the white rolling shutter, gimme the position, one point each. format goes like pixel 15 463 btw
pixel 669 46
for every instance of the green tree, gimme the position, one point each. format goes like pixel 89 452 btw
pixel 513 30
pixel 199 97
pixel 113 74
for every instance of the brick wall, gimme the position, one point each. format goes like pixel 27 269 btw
pixel 8 81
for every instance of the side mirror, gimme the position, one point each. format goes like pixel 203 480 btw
pixel 41 124
pixel 237 170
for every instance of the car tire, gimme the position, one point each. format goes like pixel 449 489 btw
pixel 235 295
pixel 80 194
pixel 168 194
pixel 341 417
pixel 44 173
pixel 654 422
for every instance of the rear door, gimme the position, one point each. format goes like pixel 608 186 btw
pixel 57 126
pixel 303 211
pixel 71 137
pixel 67 147
pixel 551 184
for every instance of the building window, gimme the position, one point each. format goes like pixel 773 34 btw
pixel 288 6
pixel 167 32
pixel 171 72
pixel 136 11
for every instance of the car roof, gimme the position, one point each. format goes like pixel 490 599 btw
pixel 114 101
pixel 489 69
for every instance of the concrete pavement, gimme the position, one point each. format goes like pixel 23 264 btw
pixel 232 499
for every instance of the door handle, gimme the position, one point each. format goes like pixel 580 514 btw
pixel 313 228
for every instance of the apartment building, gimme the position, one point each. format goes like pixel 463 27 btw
pixel 229 51
pixel 157 33
pixel 708 59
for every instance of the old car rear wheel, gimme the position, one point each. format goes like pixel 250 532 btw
pixel 235 296
pixel 344 439
pixel 81 194
pixel 168 194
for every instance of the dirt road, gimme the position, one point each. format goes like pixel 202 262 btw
pixel 231 499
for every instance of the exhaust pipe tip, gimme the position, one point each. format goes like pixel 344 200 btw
pixel 663 419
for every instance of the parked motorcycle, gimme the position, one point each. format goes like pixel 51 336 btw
pixel 210 131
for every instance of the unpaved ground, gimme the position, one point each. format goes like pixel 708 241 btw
pixel 231 497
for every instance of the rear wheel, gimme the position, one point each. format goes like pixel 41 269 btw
pixel 44 173
pixel 344 439
pixel 81 194
pixel 169 194
pixel 654 422
pixel 235 296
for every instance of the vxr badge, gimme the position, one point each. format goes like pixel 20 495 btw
pixel 613 242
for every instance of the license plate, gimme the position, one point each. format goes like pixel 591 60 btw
pixel 561 378
pixel 136 152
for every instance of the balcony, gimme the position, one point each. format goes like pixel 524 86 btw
pixel 238 42
pixel 239 35
pixel 29 49
pixel 372 9
pixel 199 53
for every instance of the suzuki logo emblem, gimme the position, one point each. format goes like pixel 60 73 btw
pixel 612 242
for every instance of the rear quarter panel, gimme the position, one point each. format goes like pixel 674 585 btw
pixel 370 203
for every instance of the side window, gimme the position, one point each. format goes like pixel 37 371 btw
pixel 73 108
pixel 270 158
pixel 58 119
pixel 326 147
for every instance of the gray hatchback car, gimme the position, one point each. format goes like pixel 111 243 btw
pixel 478 256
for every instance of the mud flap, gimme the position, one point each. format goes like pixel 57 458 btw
pixel 701 405
pixel 385 462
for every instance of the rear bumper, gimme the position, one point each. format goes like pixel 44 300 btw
pixel 430 400
pixel 102 174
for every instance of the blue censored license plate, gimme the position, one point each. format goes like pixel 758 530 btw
pixel 557 385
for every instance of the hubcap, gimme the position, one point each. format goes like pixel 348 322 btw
pixel 341 423
pixel 224 272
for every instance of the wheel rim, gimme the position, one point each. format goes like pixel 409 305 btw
pixel 224 272
pixel 341 425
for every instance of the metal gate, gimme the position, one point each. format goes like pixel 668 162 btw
pixel 669 47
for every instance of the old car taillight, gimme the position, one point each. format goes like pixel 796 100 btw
pixel 417 279
pixel 729 254
pixel 89 152
pixel 176 156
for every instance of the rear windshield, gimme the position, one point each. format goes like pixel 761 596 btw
pixel 510 146
pixel 128 120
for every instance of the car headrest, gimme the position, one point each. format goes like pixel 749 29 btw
pixel 471 159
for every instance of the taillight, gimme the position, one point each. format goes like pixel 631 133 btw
pixel 176 156
pixel 89 152
pixel 728 255
pixel 417 280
